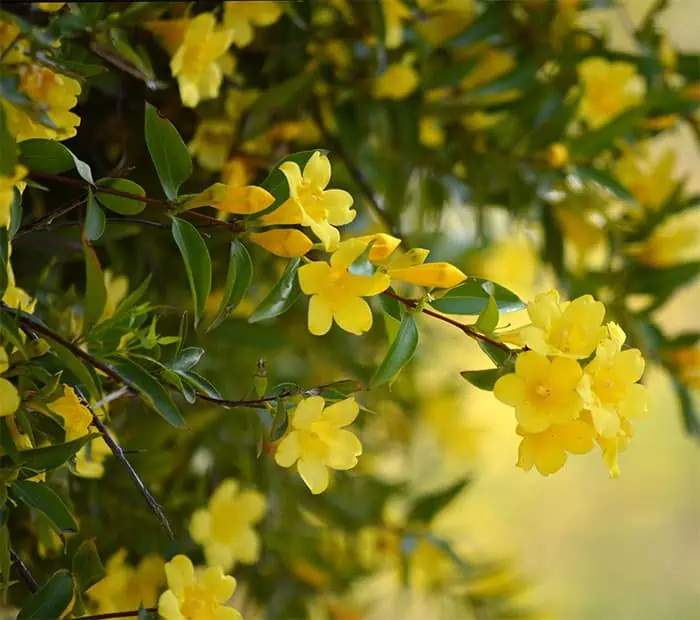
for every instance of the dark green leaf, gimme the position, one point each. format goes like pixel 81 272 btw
pixel 400 352
pixel 77 368
pixel 187 358
pixel 592 142
pixel 238 279
pixel 429 506
pixel 121 204
pixel 52 157
pixel 472 297
pixel 51 600
pixel 282 296
pixel 42 497
pixel 4 260
pixel 8 148
pixel 485 26
pixel 662 282
pixel 168 152
pixel 11 332
pixel 499 356
pixel 484 379
pixel 15 212
pixel 691 420
pixel 152 392
pixel 95 290
pixel 5 561
pixel 588 173
pixel 488 319
pixel 195 254
pixel 50 457
pixel 280 422
pixel 199 383
pixel 7 443
pixel 95 221
pixel 87 566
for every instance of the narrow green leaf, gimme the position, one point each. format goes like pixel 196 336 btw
pixel 11 332
pixel 87 566
pixel 590 143
pixel 5 561
pixel 282 296
pixel 95 290
pixel 42 497
pixel 8 147
pixel 497 355
pixel 589 173
pixel 400 352
pixel 238 279
pixel 95 221
pixel 51 600
pixel 484 379
pixel 15 212
pixel 429 506
pixel 4 260
pixel 473 295
pixel 150 389
pixel 199 383
pixel 168 152
pixel 197 263
pixel 187 359
pixel 77 368
pixel 121 204
pixel 52 157
pixel 691 419
pixel 280 422
pixel 50 457
pixel 488 319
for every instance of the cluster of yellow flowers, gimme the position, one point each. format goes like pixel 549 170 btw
pixel 561 407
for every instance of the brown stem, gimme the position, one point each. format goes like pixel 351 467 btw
pixel 134 613
pixel 24 572
pixel 467 329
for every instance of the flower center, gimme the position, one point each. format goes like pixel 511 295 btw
pixel 199 604
pixel 543 391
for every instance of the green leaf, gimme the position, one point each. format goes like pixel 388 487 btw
pixel 8 147
pixel 400 352
pixel 199 383
pixel 588 173
pixel 4 260
pixel 121 204
pixel 484 379
pixel 429 506
pixel 51 600
pixel 50 457
pixel 52 157
pixel 11 332
pixel 473 295
pixel 238 279
pixel 691 420
pixel 95 290
pixel 197 263
pixel 662 282
pixel 488 319
pixel 87 566
pixel 78 369
pixel 5 560
pixel 95 221
pixel 187 359
pixel 486 25
pixel 152 392
pixel 42 497
pixel 282 296
pixel 498 355
pixel 280 422
pixel 591 143
pixel 15 212
pixel 7 443
pixel 168 152
pixel 521 78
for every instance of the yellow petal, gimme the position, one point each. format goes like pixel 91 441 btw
pixel 288 451
pixel 509 389
pixel 227 613
pixel 210 197
pixel 168 606
pixel 9 398
pixel 383 246
pixel 437 275
pixel 314 474
pixel 317 171
pixel 320 316
pixel 251 505
pixel 292 173
pixel 246 546
pixel 313 277
pixel 342 413
pixel 180 574
pixel 245 200
pixel 531 366
pixel 338 203
pixel 329 236
pixel 220 585
pixel 344 448
pixel 354 316
pixel 308 411
pixel 577 437
pixel 630 364
pixel 348 251
pixel 200 525
pixel 284 243
pixel 636 402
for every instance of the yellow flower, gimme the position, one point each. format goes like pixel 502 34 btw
pixel 58 93
pixel 651 180
pixel 127 587
pixel 169 32
pixel 444 19
pixel 50 7
pixel 191 597
pixel 76 416
pixel 383 246
pixel 236 172
pixel 687 363
pixel 287 243
pixel 117 287
pixel 481 121
pixel 318 441
pixel 212 143
pixel 493 63
pixel 543 392
pixel 674 242
pixel 238 200
pixel 397 82
pixel 547 450
pixel 458 437
pixel 571 329
pixel 337 294
pixel 557 155
pixel 609 386
pixel 225 527
pixel 395 12
pixel 431 275
pixel 90 458
pixel 195 62
pixel 7 194
pixel 430 134
pixel 16 297
pixel 311 204
pixel 240 17
pixel 609 88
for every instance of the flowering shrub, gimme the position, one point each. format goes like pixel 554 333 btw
pixel 230 236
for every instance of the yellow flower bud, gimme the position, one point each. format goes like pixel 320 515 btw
pixel 437 275
pixel 384 245
pixel 288 243
pixel 557 155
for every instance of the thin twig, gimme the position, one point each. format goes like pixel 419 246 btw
pixel 467 329
pixel 119 455
pixel 337 147
pixel 43 223
pixel 23 571
pixel 134 613
pixel 112 396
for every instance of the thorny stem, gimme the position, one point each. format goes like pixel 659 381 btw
pixel 119 455
pixel 23 571
pixel 134 613
pixel 356 174
pixel 467 329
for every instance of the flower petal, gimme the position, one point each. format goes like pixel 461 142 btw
pixel 317 171
pixel 9 398
pixel 342 413
pixel 338 203
pixel 343 449
pixel 354 315
pixel 314 474
pixel 313 277
pixel 320 316
pixel 307 412
pixel 220 585
pixel 348 251
pixel 169 607
pixel 510 389
pixel 292 173
pixel 288 451
pixel 227 613
pixel 284 243
pixel 251 504
pixel 180 574
pixel 246 546
pixel 218 554
pixel 329 236
pixel 200 525
pixel 636 402
pixel 531 366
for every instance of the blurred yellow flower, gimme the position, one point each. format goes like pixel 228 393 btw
pixel 9 32
pixel 651 180
pixel 430 568
pixel 318 441
pixel 225 528
pixel 687 363
pixel 571 329
pixel 127 587
pixel 241 16
pixel 337 294
pixel 16 297
pixel 169 32
pixel 397 82
pixel 199 597
pixel 195 62
pixel 7 194
pixel 430 133
pixel 395 13
pixel 459 438
pixel 212 143
pixel 493 63
pixel 311 204
pixel 117 286
pixel 444 19
pixel 609 88
pixel 50 7
pixel 674 242
pixel 609 386
pixel 236 172
pixel 547 450
pixel 612 446
pixel 287 243
pixel 542 391
pixel 76 416
pixel 89 461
